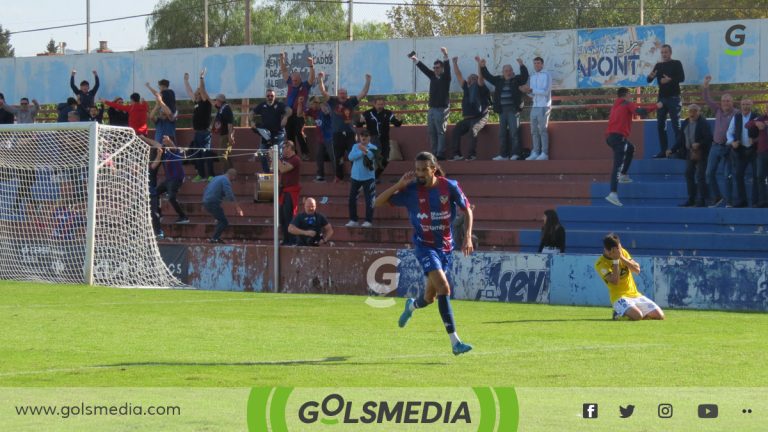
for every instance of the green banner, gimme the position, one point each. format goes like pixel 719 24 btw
pixel 481 409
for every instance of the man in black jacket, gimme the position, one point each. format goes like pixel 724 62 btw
pixel 669 74
pixel 439 87
pixel 507 102
pixel 694 141
pixel 378 120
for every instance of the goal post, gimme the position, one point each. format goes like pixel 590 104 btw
pixel 75 206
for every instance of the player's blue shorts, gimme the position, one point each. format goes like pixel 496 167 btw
pixel 433 259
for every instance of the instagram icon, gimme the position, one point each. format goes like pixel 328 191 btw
pixel 665 410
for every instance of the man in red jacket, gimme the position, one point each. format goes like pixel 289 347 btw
pixel 137 112
pixel 619 127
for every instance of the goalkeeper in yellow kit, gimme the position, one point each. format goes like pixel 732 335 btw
pixel 615 267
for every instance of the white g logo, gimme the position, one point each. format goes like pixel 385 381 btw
pixel 386 286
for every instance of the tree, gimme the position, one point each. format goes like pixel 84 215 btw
pixel 180 24
pixel 6 50
pixel 427 19
pixel 51 47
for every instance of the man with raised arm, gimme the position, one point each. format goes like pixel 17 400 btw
pixel 507 102
pixel 439 100
pixel 342 120
pixel 201 122
pixel 294 128
pixel 474 110
pixel 85 95
pixel 432 201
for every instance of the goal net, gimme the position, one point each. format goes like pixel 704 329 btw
pixel 74 207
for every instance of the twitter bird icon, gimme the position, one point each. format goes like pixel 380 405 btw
pixel 626 412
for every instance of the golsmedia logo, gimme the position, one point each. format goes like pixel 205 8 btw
pixel 482 409
pixel 335 409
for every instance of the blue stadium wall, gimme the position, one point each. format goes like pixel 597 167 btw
pixel 673 282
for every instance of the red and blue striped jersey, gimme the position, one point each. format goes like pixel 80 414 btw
pixel 432 211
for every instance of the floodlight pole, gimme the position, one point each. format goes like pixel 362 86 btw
pixel 205 24
pixel 276 215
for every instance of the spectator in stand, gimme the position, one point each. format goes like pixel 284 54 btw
pixel 343 107
pixel 552 234
pixel 310 227
pixel 163 115
pixel 669 74
pixel 6 116
pixel 619 127
pixel 693 144
pixel 216 191
pixel 117 117
pixel 169 97
pixel 173 160
pixel 96 114
pixel 363 175
pixel 73 117
pixel 759 124
pixel 290 174
pixel 137 113
pixel 224 125
pixel 743 152
pixel 85 95
pixel 507 102
pixel 540 89
pixel 65 108
pixel 24 114
pixel 201 122
pixel 271 125
pixel 474 110
pixel 439 100
pixel 720 153
pixel 377 121
pixel 297 89
pixel 321 112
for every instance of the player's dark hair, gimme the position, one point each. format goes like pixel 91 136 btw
pixel 164 83
pixel 364 133
pixel 24 99
pixel 667 46
pixel 550 226
pixel 539 59
pixel 611 241
pixel 84 82
pixel 622 92
pixel 429 157
pixel 71 101
pixel 135 97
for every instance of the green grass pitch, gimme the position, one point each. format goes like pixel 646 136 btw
pixel 60 336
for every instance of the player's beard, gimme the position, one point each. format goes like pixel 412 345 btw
pixel 421 181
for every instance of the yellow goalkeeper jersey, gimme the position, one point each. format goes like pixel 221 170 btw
pixel 626 286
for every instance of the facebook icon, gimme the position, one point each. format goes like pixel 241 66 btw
pixel 589 411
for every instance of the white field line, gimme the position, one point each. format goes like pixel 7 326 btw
pixel 308 362
pixel 282 297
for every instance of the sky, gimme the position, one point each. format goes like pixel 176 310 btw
pixel 123 35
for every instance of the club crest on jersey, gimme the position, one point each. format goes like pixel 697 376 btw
pixel 422 200
pixel 443 199
pixel 422 216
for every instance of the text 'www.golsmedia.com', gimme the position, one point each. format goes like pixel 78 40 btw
pixel 83 409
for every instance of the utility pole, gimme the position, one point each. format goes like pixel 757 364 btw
pixel 350 34
pixel 482 17
pixel 87 26
pixel 642 12
pixel 205 24
pixel 244 105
